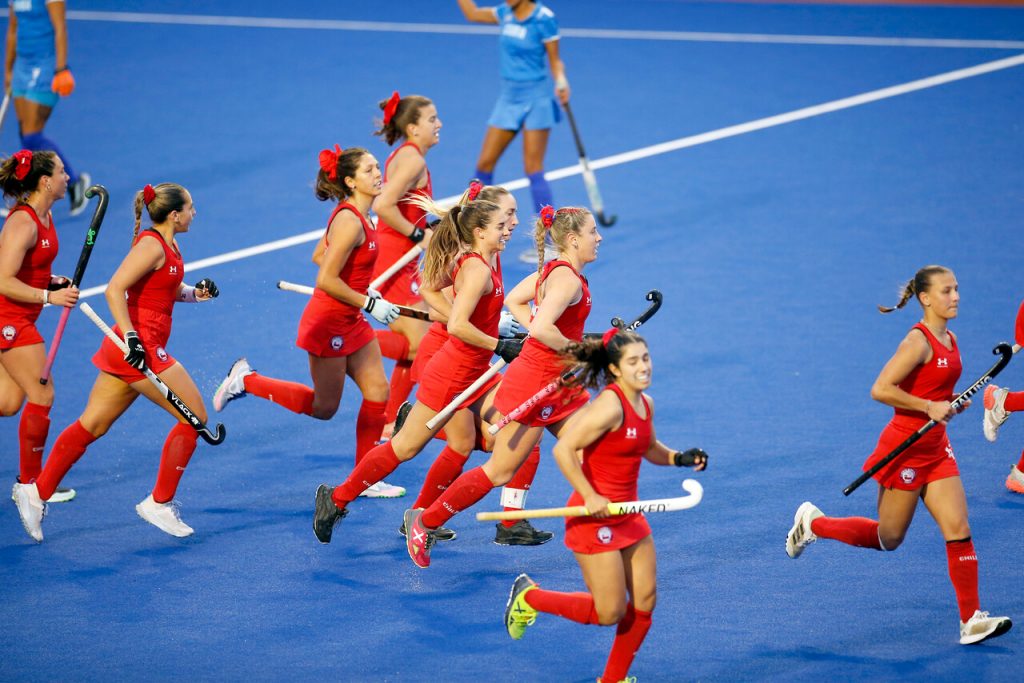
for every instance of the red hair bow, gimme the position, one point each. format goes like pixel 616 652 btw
pixel 391 107
pixel 148 194
pixel 607 337
pixel 547 216
pixel 474 190
pixel 329 162
pixel 24 159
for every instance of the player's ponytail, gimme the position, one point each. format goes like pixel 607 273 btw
pixel 21 172
pixel 453 234
pixel 595 354
pixel 921 281
pixel 159 201
pixel 556 227
pixel 337 165
pixel 397 113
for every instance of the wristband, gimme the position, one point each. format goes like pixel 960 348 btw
pixel 561 83
pixel 188 294
pixel 417 235
pixel 46 296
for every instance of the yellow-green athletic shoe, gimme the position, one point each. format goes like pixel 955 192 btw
pixel 518 614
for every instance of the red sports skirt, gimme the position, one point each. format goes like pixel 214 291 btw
pixel 15 332
pixel 154 330
pixel 931 458
pixel 450 372
pixel 590 535
pixel 326 331
pixel 431 343
pixel 527 375
pixel 402 288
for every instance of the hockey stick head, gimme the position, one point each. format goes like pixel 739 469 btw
pixel 606 221
pixel 654 296
pixel 211 438
pixel 696 491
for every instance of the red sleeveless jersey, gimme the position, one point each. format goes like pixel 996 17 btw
pixel 391 238
pixel 357 271
pixel 157 290
pixel 487 314
pixel 932 381
pixel 35 267
pixel 612 463
pixel 570 323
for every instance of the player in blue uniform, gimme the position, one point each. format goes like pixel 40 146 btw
pixel 36 74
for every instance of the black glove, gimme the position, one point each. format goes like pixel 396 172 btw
pixel 692 457
pixel 209 286
pixel 58 282
pixel 136 355
pixel 508 349
pixel 417 235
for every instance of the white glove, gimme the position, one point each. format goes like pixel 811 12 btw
pixel 383 310
pixel 508 326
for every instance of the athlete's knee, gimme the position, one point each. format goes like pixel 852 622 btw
pixel 533 165
pixel 961 529
pixel 891 539
pixel 610 612
pixel 460 443
pixel 10 405
pixel 323 412
pixel 646 599
pixel 95 426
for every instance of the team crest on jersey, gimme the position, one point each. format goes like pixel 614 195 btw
pixel 546 411
pixel 908 475
pixel 630 432
pixel 604 535
pixel 942 362
pixel 161 354
pixel 9 332
pixel 336 342
pixel 45 244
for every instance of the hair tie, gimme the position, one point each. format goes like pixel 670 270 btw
pixel 607 337
pixel 148 194
pixel 329 162
pixel 24 163
pixel 391 106
pixel 474 190
pixel 547 216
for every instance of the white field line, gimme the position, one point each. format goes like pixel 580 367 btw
pixel 593 33
pixel 662 148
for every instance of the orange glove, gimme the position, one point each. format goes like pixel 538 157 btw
pixel 63 82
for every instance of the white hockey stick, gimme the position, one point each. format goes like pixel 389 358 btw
pixel 691 486
pixel 470 390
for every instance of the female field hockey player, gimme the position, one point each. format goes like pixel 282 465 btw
pixel 141 296
pixel 413 120
pixel 918 382
pixel 28 246
pixel 563 303
pixel 464 249
pixel 333 331
pixel 37 75
pixel 999 403
pixel 615 553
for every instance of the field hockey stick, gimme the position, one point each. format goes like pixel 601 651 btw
pixel 691 486
pixel 172 398
pixel 589 180
pixel 654 296
pixel 404 311
pixel 470 390
pixel 4 106
pixel 1005 352
pixel 76 279
pixel 396 266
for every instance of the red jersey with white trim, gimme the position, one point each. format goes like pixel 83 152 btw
pixel 391 240
pixel 487 314
pixel 35 267
pixel 570 323
pixel 612 463
pixel 356 272
pixel 932 381
pixel 157 290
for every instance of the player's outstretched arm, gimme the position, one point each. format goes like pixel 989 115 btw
pixel 478 15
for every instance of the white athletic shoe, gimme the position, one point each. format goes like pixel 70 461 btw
pixel 233 385
pixel 801 536
pixel 31 509
pixel 1015 480
pixel 62 495
pixel 164 516
pixel 995 414
pixel 382 489
pixel 982 627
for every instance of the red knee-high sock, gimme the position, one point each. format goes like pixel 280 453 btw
pixel 296 397
pixel 369 424
pixel 401 387
pixel 178 449
pixel 375 465
pixel 465 491
pixel 578 607
pixel 629 636
pixel 66 451
pixel 446 469
pixel 859 531
pixel 963 572
pixel 32 431
pixel 393 345
pixel 513 496
pixel 1014 401
pixel 1020 463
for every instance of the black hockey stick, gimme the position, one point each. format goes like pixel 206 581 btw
pixel 172 398
pixel 654 296
pixel 1005 352
pixel 76 279
pixel 589 180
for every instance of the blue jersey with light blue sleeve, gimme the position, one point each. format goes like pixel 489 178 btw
pixel 35 31
pixel 522 42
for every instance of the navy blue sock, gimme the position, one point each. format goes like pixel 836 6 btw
pixel 539 190
pixel 38 141
pixel 485 177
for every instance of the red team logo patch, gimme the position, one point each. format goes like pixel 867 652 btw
pixel 336 342
pixel 161 354
pixel 908 474
pixel 604 535
pixel 545 412
pixel 9 332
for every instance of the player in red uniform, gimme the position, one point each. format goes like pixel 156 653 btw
pixel 615 553
pixel 28 246
pixel 563 303
pixel 333 330
pixel 401 225
pixel 999 403
pixel 918 382
pixel 141 296
pixel 464 249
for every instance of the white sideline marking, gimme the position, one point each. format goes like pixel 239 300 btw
pixel 662 148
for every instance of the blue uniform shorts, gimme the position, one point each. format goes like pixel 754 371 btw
pixel 525 105
pixel 31 80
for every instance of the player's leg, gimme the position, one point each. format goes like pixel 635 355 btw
pixel 400 343
pixel 23 366
pixel 640 563
pixel 535 147
pixel 496 141
pixel 33 107
pixel 11 395
pixel 366 369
